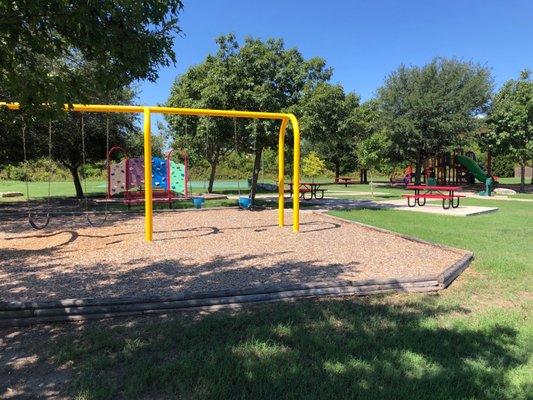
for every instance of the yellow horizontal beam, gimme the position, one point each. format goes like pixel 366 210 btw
pixel 164 110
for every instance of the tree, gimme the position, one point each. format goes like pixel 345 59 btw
pixel 370 154
pixel 312 165
pixel 211 84
pixel 425 109
pixel 68 148
pixel 327 118
pixel 270 78
pixel 253 76
pixel 125 40
pixel 511 122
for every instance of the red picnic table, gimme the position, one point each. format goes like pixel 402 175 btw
pixel 308 187
pixel 449 199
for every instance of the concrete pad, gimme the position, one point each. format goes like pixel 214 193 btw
pixel 503 198
pixel 436 208
pixel 331 192
pixel 327 204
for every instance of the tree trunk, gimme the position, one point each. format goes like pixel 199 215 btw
pixel 489 162
pixel 255 174
pixel 213 163
pixel 363 176
pixel 522 176
pixel 418 169
pixel 337 170
pixel 371 183
pixel 77 182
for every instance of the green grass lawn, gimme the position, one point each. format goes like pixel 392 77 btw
pixel 471 341
pixel 94 188
pixel 57 189
pixel 513 181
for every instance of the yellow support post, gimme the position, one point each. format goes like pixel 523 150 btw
pixel 296 174
pixel 148 205
pixel 281 173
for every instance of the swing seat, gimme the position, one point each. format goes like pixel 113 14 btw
pixel 32 219
pixel 245 202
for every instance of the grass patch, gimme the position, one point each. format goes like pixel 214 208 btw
pixel 368 349
pixel 472 341
pixel 499 240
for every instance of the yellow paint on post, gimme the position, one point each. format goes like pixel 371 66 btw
pixel 281 173
pixel 148 205
pixel 296 174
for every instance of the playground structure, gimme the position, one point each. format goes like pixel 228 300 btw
pixel 127 177
pixel 454 168
pixel 451 168
pixel 147 112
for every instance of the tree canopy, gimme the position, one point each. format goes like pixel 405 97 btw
pixel 425 109
pixel 43 42
pixel 69 147
pixel 312 165
pixel 511 121
pixel 211 84
pixel 328 118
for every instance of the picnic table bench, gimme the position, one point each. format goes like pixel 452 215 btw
pixel 345 180
pixel 158 196
pixel 311 188
pixel 424 192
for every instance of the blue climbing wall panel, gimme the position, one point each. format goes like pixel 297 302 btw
pixel 159 173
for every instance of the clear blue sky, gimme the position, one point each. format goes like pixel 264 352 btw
pixel 362 40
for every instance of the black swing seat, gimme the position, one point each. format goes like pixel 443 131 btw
pixel 35 225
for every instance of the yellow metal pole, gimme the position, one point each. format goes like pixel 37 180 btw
pixel 148 206
pixel 296 175
pixel 281 173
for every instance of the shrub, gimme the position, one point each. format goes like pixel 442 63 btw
pixel 15 172
pixel 94 171
pixel 503 166
pixel 312 165
pixel 43 169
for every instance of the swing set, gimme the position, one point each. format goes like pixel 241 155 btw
pixel 148 191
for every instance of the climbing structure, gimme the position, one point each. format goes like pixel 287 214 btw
pixel 448 170
pixel 126 178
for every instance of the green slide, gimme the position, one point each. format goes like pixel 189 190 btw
pixel 478 173
pixel 472 166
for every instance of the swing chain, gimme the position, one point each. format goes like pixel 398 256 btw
pixel 84 160
pixel 31 220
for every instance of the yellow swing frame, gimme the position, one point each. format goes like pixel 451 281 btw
pixel 147 111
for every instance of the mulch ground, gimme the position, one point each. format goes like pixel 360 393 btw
pixel 200 251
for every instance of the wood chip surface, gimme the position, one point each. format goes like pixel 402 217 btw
pixel 200 251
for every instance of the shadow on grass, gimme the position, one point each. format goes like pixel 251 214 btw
pixel 335 349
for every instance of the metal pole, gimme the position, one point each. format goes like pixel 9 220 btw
pixel 296 175
pixel 281 173
pixel 148 206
